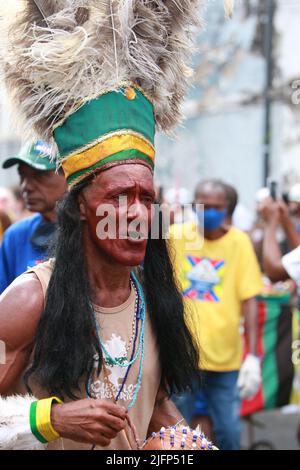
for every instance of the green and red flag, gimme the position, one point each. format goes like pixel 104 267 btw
pixel 275 318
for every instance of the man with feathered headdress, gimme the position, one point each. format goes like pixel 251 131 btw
pixel 96 79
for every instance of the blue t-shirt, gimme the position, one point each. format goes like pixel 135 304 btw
pixel 17 254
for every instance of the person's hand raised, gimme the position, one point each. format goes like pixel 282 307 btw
pixel 270 211
pixel 284 211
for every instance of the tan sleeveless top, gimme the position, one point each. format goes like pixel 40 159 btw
pixel 117 330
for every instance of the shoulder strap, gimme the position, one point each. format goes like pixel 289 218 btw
pixel 43 272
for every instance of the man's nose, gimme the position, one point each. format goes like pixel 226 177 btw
pixel 137 211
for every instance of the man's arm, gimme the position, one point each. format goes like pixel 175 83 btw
pixel 165 413
pixel 272 256
pixel 20 309
pixel 290 229
pixel 249 310
pixel 88 421
pixel 250 282
pixel 5 274
pixel 21 305
pixel 249 379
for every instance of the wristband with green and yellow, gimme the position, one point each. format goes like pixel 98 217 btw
pixel 40 420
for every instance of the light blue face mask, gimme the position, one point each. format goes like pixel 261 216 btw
pixel 212 218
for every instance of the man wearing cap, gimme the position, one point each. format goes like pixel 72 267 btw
pixel 25 243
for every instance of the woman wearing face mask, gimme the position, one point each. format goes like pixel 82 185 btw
pixel 220 279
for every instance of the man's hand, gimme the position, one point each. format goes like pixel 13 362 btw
pixel 270 211
pixel 288 225
pixel 164 414
pixel 89 421
pixel 283 211
pixel 249 379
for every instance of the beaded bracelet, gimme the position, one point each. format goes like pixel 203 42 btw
pixel 40 420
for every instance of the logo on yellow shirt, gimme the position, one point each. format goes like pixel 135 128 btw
pixel 202 278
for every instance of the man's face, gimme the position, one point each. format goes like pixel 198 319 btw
pixel 211 198
pixel 107 216
pixel 41 189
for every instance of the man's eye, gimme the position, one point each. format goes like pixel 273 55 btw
pixel 120 197
pixel 39 175
pixel 148 199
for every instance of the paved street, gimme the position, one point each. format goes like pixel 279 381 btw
pixel 277 428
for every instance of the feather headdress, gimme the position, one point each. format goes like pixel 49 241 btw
pixel 62 55
pixel 228 5
pixel 62 52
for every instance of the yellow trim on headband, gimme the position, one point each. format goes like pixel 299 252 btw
pixel 104 149
pixel 104 137
pixel 43 418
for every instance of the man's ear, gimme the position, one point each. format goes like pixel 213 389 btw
pixel 82 207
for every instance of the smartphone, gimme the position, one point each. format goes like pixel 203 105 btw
pixel 273 186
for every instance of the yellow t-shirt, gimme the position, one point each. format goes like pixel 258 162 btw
pixel 215 277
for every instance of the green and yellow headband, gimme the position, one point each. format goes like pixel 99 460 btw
pixel 113 128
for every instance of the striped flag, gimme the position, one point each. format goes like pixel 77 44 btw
pixel 275 315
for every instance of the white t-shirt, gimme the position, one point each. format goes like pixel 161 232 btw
pixel 291 263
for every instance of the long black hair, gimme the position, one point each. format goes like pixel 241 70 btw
pixel 66 343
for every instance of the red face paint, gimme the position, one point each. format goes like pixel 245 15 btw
pixel 117 209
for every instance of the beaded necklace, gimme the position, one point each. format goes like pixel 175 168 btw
pixel 134 322
pixel 133 327
pixel 133 348
pixel 136 330
pixel 140 316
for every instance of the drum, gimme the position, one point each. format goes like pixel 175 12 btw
pixel 178 438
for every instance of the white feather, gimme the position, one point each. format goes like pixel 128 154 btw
pixel 56 67
pixel 228 6
pixel 15 433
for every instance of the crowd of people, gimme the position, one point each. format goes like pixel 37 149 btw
pixel 221 278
